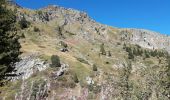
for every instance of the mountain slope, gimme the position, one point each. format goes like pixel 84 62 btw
pixel 97 61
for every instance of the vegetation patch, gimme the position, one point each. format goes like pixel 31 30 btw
pixel 82 60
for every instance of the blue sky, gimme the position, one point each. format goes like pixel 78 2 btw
pixel 146 14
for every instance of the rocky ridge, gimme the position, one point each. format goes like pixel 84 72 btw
pixel 68 17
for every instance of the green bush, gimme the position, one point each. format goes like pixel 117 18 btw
pixel 62 79
pixel 107 62
pixel 55 60
pixel 131 55
pixel 102 50
pixel 36 29
pixel 75 78
pixel 118 43
pixel 94 67
pixel 82 60
pixel 94 88
pixel 147 54
pixel 109 54
pixel 39 12
pixel 97 89
pixel 90 87
pixel 9 45
pixel 71 84
pixel 60 31
pixel 63 44
pixel 24 23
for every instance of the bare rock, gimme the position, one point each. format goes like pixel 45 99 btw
pixel 89 80
pixel 146 39
pixel 29 65
pixel 60 72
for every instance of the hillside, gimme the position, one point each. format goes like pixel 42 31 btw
pixel 66 55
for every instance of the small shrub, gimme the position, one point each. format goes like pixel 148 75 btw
pixel 63 44
pixel 107 62
pixel 82 60
pixel 62 79
pixel 75 78
pixel 39 12
pixel 118 43
pixel 34 90
pixel 130 55
pixel 97 89
pixel 55 61
pixel 36 29
pixel 60 31
pixel 102 50
pixel 22 35
pixel 70 33
pixel 90 87
pixel 94 67
pixel 147 54
pixel 138 46
pixel 109 54
pixel 71 84
pixel 94 88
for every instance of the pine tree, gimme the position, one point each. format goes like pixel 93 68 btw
pixel 102 50
pixel 109 54
pixel 9 45
pixel 147 54
pixel 140 51
pixel 24 23
pixel 135 52
pixel 130 55
pixel 124 46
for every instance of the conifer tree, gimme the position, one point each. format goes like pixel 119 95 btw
pixel 24 23
pixel 102 50
pixel 94 67
pixel 109 54
pixel 130 55
pixel 9 45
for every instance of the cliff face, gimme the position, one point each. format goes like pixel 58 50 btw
pixel 147 39
pixel 97 61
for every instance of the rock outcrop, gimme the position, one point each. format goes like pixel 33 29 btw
pixel 60 72
pixel 29 65
pixel 146 39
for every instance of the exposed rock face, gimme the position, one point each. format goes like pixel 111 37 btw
pixel 53 12
pixel 30 91
pixel 28 66
pixel 89 80
pixel 146 39
pixel 60 72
